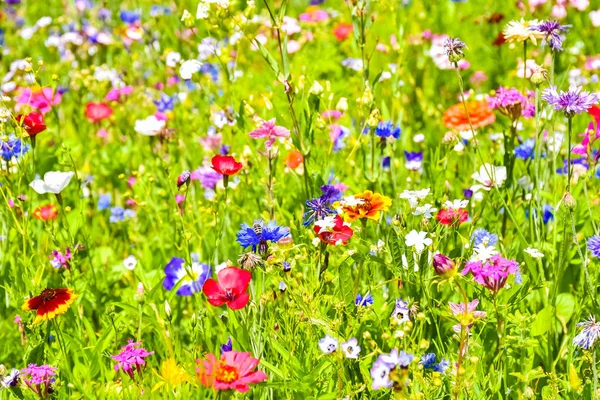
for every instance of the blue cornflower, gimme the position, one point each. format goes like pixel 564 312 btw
pixel 331 193
pixel 366 301
pixel 387 129
pixel 130 17
pixel 576 161
pixel 12 147
pixel 429 361
pixel 317 209
pixel 104 201
pixel 257 235
pixel 156 11
pixel 547 213
pixel 227 346
pixel 414 160
pixel 588 335
pixel 593 245
pixel 119 214
pixel 525 151
pixel 386 162
pixel 165 103
pixel 442 366
pixel 481 236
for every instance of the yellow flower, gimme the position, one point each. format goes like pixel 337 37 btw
pixel 171 375
pixel 520 31
pixel 364 205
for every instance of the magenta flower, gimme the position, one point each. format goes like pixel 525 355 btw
pixel 582 149
pixel 271 131
pixel 466 314
pixel 512 103
pixel 43 99
pixel 131 358
pixel 493 273
pixel 38 374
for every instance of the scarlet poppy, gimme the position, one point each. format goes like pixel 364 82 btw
pixel 50 303
pixel 96 112
pixel 450 216
pixel 333 230
pixel 594 111
pixel 230 290
pixel 33 123
pixel 226 165
pixel 342 31
pixel 48 212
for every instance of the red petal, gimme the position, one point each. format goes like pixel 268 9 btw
pixel 239 302
pixel 235 279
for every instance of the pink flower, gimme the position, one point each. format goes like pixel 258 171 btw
pixel 115 93
pixel 131 358
pixel 42 100
pixel 234 371
pixel 582 148
pixel 270 131
pixel 466 314
pixel 313 14
pixel 38 374
pixel 493 273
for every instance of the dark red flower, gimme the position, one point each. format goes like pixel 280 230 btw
pixel 225 165
pixel 96 112
pixel 48 212
pixel 450 216
pixel 33 123
pixel 50 303
pixel 230 290
pixel 334 232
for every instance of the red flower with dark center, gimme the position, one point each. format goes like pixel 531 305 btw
pixel 50 303
pixel 226 165
pixel 33 123
pixel 48 212
pixel 448 216
pixel 96 112
pixel 335 235
pixel 230 290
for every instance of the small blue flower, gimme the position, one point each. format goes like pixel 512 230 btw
pixel 227 346
pixel 104 201
pixel 259 234
pixel 386 162
pixel 442 366
pixel 593 245
pixel 414 160
pixel 388 129
pixel 129 17
pixel 578 161
pixel 165 103
pixel 12 147
pixel 190 279
pixel 429 361
pixel 525 151
pixel 287 267
pixel 119 214
pixel 481 236
pixel 366 301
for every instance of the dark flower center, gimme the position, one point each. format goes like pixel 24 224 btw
pixel 48 294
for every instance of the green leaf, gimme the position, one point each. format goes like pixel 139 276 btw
pixel 542 322
pixel 346 284
pixel 565 306
pixel 36 355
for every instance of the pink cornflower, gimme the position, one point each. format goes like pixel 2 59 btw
pixel 131 358
pixel 271 131
pixel 493 273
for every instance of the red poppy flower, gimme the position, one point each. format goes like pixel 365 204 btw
pixel 294 159
pixel 342 31
pixel 226 165
pixel 594 111
pixel 333 231
pixel 96 112
pixel 448 216
pixel 48 212
pixel 50 303
pixel 230 290
pixel 33 123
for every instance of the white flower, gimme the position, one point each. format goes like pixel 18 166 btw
pixel 130 262
pixel 43 22
pixel 352 201
pixel 316 89
pixel 351 348
pixel 418 240
pixel 53 182
pixel 413 196
pixel 533 252
pixel 188 68
pixel 489 176
pixel 425 210
pixel 483 253
pixel 328 344
pixel 419 138
pixel 202 10
pixel 150 126
pixel 173 59
pixel 456 204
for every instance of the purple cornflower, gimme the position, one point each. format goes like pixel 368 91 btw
pixel 131 358
pixel 588 335
pixel 317 209
pixel 552 30
pixel 207 176
pixel 227 346
pixel 414 160
pixel 593 245
pixel 493 273
pixel 574 101
pixel 453 47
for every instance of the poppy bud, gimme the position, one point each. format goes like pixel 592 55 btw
pixel 443 264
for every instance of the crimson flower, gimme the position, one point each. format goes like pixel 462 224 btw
pixel 451 216
pixel 33 123
pixel 50 303
pixel 594 111
pixel 225 165
pixel 96 112
pixel 333 230
pixel 230 290
pixel 48 212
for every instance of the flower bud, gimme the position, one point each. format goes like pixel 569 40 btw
pixel 183 178
pixel 539 76
pixel 442 264
pixel 569 201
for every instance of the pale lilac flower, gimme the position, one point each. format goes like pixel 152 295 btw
pixel 552 31
pixel 588 335
pixel 351 348
pixel 328 344
pixel 574 101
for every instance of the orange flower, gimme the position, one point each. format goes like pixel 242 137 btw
pixel 294 159
pixel 364 205
pixel 480 112
pixel 48 212
pixel 50 303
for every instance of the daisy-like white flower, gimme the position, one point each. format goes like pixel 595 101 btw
pixel 151 126
pixel 533 252
pixel 425 210
pixel 489 176
pixel 483 253
pixel 520 31
pixel 588 335
pixel 351 348
pixel 413 196
pixel 418 240
pixel 328 344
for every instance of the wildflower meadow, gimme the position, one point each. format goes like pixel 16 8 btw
pixel 299 199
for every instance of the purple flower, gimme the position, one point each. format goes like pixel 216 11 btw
pixel 131 358
pixel 365 301
pixel 207 176
pixel 38 374
pixel 574 101
pixel 414 160
pixel 227 346
pixel 593 245
pixel 12 379
pixel 453 47
pixel 512 103
pixel 552 30
pixel 588 335
pixel 492 273
pixel 190 279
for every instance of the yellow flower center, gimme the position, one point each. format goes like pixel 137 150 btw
pixel 226 373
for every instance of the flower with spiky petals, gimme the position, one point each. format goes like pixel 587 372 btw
pixel 521 31
pixel 588 335
pixel 593 245
pixel 259 234
pixel 572 102
pixel 453 47
pixel 492 273
pixel 552 31
pixel 250 260
pixel 50 303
